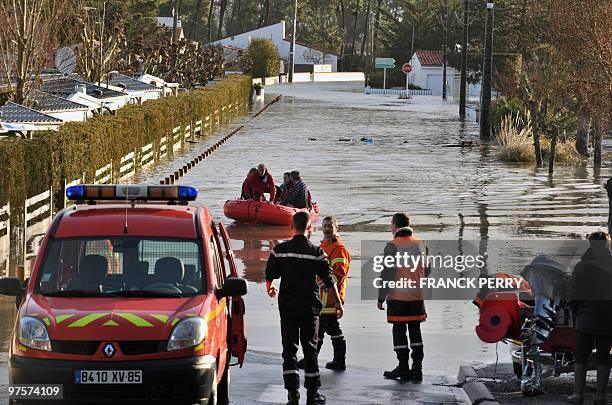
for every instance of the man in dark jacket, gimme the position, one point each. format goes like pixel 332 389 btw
pixel 591 301
pixel 297 263
pixel 258 183
pixel 298 196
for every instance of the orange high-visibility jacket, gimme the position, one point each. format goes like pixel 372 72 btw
pixel 414 247
pixel 340 261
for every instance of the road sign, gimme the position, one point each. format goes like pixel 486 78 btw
pixel 406 68
pixel 385 63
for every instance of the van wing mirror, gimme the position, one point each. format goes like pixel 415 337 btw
pixel 233 287
pixel 11 286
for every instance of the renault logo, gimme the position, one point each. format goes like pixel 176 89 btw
pixel 109 350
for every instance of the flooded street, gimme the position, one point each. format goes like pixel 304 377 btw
pixel 451 193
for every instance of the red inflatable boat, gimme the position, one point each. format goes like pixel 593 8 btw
pixel 261 212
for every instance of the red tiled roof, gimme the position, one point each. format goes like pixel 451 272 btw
pixel 430 58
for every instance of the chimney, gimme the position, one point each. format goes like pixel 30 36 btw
pixel 82 88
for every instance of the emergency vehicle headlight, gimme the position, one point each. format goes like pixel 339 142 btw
pixel 189 332
pixel 132 192
pixel 33 334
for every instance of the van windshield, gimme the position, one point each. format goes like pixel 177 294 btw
pixel 122 266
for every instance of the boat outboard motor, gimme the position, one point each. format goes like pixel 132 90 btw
pixel 548 280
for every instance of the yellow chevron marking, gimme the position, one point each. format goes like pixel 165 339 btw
pixel 61 318
pixel 135 319
pixel 160 317
pixel 87 319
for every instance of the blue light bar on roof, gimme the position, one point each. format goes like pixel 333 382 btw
pixel 131 192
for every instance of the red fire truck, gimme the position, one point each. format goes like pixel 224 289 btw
pixel 134 295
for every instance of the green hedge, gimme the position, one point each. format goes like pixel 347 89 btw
pixel 29 167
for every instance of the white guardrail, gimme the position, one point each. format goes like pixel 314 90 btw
pixel 40 207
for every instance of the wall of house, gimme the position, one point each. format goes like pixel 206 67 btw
pixel 431 77
pixel 69 116
pixel 274 32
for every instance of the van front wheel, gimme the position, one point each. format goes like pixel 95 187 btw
pixel 223 387
pixel 212 399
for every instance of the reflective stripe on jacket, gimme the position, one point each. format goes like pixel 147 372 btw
pixel 340 261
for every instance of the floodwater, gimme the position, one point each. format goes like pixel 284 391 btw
pixel 451 193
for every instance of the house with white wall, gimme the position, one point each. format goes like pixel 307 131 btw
pixel 305 54
pixel 22 120
pixel 427 72
pixel 97 98
pixel 58 107
pixel 138 91
pixel 168 88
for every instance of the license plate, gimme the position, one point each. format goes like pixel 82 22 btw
pixel 108 377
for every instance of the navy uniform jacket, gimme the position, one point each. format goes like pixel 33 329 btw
pixel 297 263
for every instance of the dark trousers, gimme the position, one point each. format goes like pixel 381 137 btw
pixel 295 330
pixel 329 324
pixel 584 346
pixel 401 347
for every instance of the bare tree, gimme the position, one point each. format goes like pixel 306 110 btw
pixel 222 9
pixel 28 36
pixel 101 35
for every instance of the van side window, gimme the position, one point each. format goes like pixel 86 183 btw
pixel 216 263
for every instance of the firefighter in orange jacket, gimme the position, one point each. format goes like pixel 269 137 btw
pixel 340 260
pixel 405 307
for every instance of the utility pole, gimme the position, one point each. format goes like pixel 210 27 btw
pixel 445 45
pixel 487 79
pixel 175 20
pixel 292 50
pixel 464 53
pixel 100 68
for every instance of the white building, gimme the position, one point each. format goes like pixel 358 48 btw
pixel 169 88
pixel 304 54
pixel 138 91
pixel 427 72
pixel 168 23
pixel 97 98
pixel 21 120
pixel 59 107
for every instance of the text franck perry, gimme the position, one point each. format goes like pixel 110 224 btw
pixel 449 282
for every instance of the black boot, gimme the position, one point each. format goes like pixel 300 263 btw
pixel 313 397
pixel 336 364
pixel 293 397
pixel 416 373
pixel 603 374
pixel 401 372
pixel 300 364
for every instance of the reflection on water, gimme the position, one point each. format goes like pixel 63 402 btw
pixel 252 245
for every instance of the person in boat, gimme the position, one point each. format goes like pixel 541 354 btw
pixel 283 190
pixel 298 195
pixel 259 183
pixel 245 196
